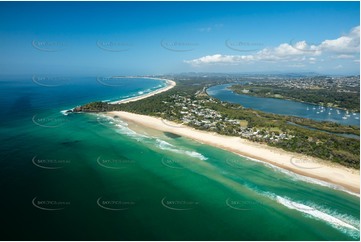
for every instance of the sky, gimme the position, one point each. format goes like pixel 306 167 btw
pixel 153 38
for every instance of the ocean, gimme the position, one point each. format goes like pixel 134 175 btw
pixel 92 177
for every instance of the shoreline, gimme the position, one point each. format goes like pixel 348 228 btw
pixel 170 85
pixel 296 100
pixel 347 178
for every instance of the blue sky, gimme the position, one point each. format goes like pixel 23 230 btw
pixel 140 38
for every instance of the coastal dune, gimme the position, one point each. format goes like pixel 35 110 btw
pixel 304 165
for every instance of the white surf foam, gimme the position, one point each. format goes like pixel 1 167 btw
pixel 169 147
pixel 343 222
pixel 298 177
pixel 122 128
pixel 337 221
pixel 64 112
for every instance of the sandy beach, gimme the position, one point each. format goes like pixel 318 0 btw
pixel 304 165
pixel 170 85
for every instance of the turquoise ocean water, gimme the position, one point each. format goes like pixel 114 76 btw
pixel 91 177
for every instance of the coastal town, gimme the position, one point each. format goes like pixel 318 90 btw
pixel 327 91
pixel 188 105
pixel 342 83
pixel 196 113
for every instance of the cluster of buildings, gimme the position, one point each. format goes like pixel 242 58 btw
pixel 342 83
pixel 195 113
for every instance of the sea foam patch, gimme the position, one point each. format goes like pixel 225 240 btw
pixel 169 147
pixel 343 222
pixel 298 177
pixel 122 128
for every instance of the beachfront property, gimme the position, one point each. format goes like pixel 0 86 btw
pixel 195 113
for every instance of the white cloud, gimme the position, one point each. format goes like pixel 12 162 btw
pixel 296 52
pixel 283 52
pixel 219 59
pixel 345 44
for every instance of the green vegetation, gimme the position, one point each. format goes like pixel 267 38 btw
pixel 188 103
pixel 331 97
